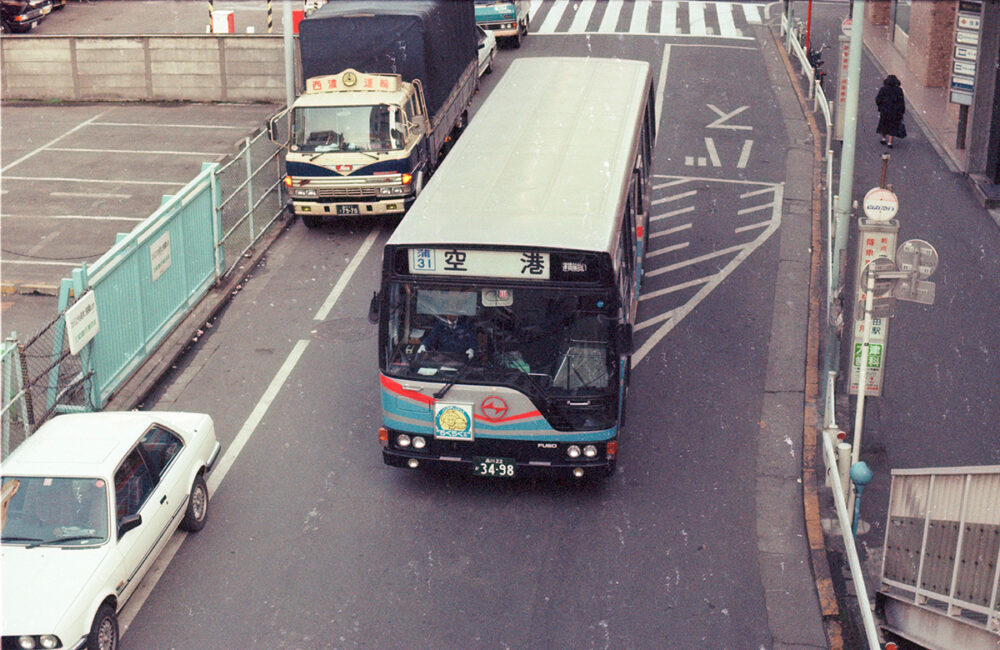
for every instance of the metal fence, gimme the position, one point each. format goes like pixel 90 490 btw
pixel 144 285
pixel 942 553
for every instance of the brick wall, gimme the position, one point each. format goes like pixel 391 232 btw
pixel 877 12
pixel 211 68
pixel 932 36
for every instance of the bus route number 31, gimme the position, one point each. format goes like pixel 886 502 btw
pixel 497 467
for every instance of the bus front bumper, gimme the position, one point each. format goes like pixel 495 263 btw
pixel 577 469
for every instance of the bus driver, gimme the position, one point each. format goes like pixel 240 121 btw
pixel 450 334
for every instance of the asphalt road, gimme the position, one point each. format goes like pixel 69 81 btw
pixel 314 542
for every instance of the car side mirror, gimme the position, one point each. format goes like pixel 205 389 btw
pixel 127 523
pixel 373 309
pixel 623 339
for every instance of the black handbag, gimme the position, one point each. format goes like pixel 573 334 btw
pixel 902 130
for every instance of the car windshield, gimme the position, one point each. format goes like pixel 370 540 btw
pixel 545 342
pixel 347 128
pixel 55 511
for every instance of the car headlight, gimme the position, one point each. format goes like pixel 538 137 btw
pixel 32 641
pixel 50 641
pixel 26 642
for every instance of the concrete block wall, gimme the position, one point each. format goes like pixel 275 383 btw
pixel 209 68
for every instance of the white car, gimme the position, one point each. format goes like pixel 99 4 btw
pixel 487 50
pixel 89 502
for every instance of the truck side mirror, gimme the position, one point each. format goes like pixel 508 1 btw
pixel 623 339
pixel 373 309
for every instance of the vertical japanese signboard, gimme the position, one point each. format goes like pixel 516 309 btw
pixel 966 51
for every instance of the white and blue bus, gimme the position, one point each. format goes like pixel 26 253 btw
pixel 509 290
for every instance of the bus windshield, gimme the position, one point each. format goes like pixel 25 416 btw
pixel 548 343
pixel 347 128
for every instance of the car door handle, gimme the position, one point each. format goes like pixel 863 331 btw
pixel 163 499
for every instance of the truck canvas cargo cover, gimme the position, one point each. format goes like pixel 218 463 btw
pixel 430 40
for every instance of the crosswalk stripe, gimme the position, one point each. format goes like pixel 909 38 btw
pixel 582 16
pixel 640 12
pixel 553 17
pixel 610 20
pixel 668 18
pixel 727 27
pixel 696 19
pixel 752 13
pixel 534 8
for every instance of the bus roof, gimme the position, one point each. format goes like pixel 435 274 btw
pixel 544 163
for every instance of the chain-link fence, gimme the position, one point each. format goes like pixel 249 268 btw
pixel 39 375
pixel 250 185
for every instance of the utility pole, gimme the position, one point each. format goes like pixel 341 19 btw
pixel 844 196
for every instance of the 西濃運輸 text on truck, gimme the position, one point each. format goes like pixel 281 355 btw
pixel 387 89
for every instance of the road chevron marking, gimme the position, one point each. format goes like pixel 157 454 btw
pixel 675 316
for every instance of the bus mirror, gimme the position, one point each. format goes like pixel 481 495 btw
pixel 623 339
pixel 373 309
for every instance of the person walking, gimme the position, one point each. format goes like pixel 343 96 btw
pixel 891 107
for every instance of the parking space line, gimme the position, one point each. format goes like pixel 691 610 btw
pixel 143 152
pixel 69 217
pixel 92 180
pixel 50 143
pixel 214 127
pixel 93 195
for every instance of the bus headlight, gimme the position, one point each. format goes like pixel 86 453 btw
pixel 419 442
pixel 403 440
pixel 590 451
pixel 573 451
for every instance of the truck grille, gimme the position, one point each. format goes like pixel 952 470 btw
pixel 354 192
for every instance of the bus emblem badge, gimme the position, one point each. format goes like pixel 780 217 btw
pixel 493 407
pixel 453 421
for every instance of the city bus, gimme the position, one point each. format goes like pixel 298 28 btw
pixel 509 290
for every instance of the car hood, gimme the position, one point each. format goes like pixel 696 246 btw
pixel 40 584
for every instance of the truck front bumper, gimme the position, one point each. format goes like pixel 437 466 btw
pixel 331 209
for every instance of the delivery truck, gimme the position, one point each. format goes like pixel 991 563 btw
pixel 387 90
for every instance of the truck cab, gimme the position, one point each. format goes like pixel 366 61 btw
pixel 356 146
pixel 507 19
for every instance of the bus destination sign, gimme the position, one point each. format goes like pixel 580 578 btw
pixel 527 265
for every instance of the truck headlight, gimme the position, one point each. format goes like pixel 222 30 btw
pixel 394 190
pixel 303 192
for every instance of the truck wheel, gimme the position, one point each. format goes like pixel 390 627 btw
pixel 517 39
pixel 311 221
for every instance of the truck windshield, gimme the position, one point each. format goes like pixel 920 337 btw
pixel 346 128
pixel 544 342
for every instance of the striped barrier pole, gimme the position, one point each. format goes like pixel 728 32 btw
pixel 270 24
pixel 210 11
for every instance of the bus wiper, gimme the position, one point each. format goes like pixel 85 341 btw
pixel 454 380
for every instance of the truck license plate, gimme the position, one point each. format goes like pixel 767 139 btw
pixel 347 209
pixel 496 467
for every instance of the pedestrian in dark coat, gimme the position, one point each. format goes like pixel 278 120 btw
pixel 891 107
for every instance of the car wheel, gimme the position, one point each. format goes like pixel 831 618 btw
pixel 104 632
pixel 489 66
pixel 197 510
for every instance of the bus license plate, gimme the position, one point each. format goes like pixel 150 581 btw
pixel 347 209
pixel 496 467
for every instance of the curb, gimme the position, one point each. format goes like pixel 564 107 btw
pixel 810 494
pixel 144 379
pixel 27 289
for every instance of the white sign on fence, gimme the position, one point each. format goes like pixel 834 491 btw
pixel 81 322
pixel 159 255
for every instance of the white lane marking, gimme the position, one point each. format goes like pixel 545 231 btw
pixel 695 260
pixel 677 287
pixel 150 152
pixel 50 143
pixel 756 208
pixel 69 217
pixel 59 179
pixel 734 181
pixel 678 181
pixel 674 197
pixel 661 84
pixel 345 277
pixel 753 226
pixel 702 161
pixel 40 263
pixel 582 17
pixel 689 161
pixel 712 153
pixel 680 313
pixel 668 249
pixel 764 190
pixel 534 7
pixel 672 213
pixel 145 587
pixel 659 318
pixel 640 11
pixel 723 117
pixel 94 195
pixel 668 18
pixel 553 17
pixel 610 20
pixel 670 231
pixel 744 154
pixel 213 127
